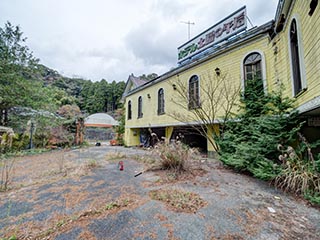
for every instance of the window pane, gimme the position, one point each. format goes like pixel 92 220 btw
pixel 161 101
pixel 253 74
pixel 194 92
pixel 295 61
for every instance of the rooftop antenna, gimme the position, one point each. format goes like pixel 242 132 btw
pixel 250 21
pixel 189 23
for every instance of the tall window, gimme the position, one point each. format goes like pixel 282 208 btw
pixel 160 101
pixel 140 114
pixel 129 110
pixel 253 73
pixel 194 100
pixel 295 60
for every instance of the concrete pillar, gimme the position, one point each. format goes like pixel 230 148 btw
pixel 211 146
pixel 169 131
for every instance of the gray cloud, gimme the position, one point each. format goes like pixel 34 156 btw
pixel 151 44
pixel 111 39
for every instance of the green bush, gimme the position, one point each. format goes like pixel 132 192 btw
pixel 313 197
pixel 250 143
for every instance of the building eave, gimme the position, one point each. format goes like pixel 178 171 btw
pixel 282 14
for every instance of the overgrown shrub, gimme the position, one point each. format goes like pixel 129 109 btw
pixel 299 171
pixel 60 137
pixel 174 156
pixel 250 143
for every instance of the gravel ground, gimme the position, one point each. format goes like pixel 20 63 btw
pixel 82 201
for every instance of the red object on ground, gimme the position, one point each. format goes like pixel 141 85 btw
pixel 121 166
pixel 113 142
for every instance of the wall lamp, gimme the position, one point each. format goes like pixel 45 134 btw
pixel 174 87
pixel 218 71
pixel 148 95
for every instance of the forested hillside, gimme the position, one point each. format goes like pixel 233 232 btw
pixel 32 94
pixel 91 97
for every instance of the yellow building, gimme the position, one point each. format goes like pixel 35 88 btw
pixel 215 64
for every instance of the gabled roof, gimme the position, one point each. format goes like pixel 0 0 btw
pixel 133 82
pixel 136 80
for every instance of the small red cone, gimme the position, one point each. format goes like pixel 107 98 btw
pixel 121 166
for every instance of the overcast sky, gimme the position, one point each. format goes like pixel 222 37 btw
pixel 105 39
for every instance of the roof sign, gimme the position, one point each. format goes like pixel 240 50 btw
pixel 229 26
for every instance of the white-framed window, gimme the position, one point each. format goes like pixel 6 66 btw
pixel 194 96
pixel 129 110
pixel 296 58
pixel 253 71
pixel 140 114
pixel 160 101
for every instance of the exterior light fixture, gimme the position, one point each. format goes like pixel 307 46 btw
pixel 174 87
pixel 148 95
pixel 218 71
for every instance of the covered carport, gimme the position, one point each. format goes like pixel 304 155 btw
pixel 99 127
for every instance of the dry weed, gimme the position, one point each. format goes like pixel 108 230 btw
pixel 114 156
pixel 179 201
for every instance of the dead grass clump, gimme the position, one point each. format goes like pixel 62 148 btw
pixel 298 175
pixel 175 156
pixel 92 163
pixel 147 159
pixel 83 169
pixel 179 201
pixel 6 172
pixel 114 156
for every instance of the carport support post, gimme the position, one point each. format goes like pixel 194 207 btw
pixel 211 131
pixel 169 131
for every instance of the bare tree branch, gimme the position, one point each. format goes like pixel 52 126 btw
pixel 218 98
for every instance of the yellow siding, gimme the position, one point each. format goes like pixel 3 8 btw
pixel 229 63
pixel 276 54
pixel 310 43
pixel 132 137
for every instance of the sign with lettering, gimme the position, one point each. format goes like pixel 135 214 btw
pixel 231 25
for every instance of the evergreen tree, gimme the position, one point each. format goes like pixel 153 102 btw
pixel 249 143
pixel 15 58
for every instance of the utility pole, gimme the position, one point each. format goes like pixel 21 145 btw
pixel 189 23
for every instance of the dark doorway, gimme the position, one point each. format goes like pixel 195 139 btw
pixel 191 137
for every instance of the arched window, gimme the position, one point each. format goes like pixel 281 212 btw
pixel 253 73
pixel 160 101
pixel 295 58
pixel 129 110
pixel 140 114
pixel 194 99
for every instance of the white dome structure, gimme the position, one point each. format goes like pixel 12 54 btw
pixel 100 120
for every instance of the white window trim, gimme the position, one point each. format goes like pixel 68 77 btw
pixel 301 56
pixel 263 66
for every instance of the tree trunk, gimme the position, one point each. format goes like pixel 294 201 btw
pixel 3 117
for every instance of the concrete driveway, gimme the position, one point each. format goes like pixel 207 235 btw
pixel 89 198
